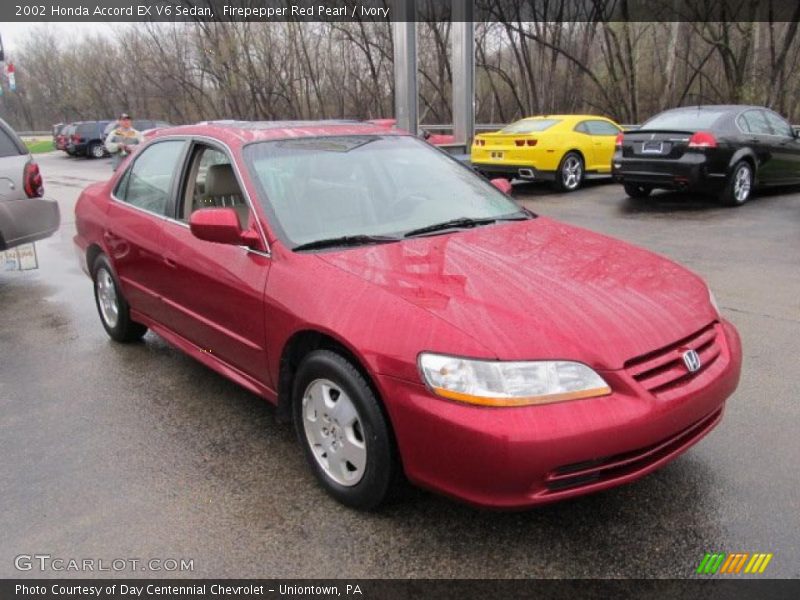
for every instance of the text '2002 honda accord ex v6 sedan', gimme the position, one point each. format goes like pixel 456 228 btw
pixel 408 316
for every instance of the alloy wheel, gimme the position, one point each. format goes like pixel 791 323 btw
pixel 571 172
pixel 107 298
pixel 742 183
pixel 334 432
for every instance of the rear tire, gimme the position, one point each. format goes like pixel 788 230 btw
pixel 95 151
pixel 739 186
pixel 343 431
pixel 111 305
pixel 636 191
pixel 569 176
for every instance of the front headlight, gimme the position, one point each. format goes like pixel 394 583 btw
pixel 495 383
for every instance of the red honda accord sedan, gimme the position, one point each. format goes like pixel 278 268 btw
pixel 407 315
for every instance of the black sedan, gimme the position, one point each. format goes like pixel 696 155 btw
pixel 722 150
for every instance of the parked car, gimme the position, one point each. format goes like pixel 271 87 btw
pixel 435 139
pixel 406 314
pixel 62 138
pixel 87 139
pixel 722 150
pixel 25 216
pixel 564 149
pixel 56 129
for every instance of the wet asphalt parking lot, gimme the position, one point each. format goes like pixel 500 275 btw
pixel 112 451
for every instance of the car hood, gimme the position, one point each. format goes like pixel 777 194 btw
pixel 540 289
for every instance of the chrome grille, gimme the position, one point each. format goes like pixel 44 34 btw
pixel 663 371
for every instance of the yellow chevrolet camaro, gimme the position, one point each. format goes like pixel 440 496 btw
pixel 564 149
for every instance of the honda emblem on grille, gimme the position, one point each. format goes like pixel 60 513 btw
pixel 692 360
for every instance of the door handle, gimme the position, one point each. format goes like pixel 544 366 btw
pixel 170 263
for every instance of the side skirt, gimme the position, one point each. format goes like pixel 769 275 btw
pixel 211 361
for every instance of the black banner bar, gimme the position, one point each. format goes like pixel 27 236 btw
pixel 384 589
pixel 383 10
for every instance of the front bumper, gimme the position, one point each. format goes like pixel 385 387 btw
pixel 522 457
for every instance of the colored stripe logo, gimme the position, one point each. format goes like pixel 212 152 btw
pixel 734 563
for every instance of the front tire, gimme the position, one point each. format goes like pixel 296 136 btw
pixel 111 305
pixel 569 176
pixel 739 187
pixel 345 436
pixel 634 190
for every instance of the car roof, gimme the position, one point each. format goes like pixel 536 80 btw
pixel 243 132
pixel 566 117
pixel 716 107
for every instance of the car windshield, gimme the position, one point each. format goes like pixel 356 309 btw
pixel 684 120
pixel 529 125
pixel 329 187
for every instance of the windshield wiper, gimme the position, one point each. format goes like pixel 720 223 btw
pixel 346 240
pixel 465 222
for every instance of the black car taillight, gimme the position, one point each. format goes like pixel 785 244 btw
pixel 32 181
pixel 620 138
pixel 702 139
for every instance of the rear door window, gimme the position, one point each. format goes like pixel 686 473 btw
pixel 754 122
pixel 147 184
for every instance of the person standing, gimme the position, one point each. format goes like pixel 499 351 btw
pixel 121 139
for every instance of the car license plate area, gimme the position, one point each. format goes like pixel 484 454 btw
pixel 497 155
pixel 652 148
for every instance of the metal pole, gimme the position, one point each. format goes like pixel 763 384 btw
pixel 463 73
pixel 404 29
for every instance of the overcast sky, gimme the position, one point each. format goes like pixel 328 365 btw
pixel 14 33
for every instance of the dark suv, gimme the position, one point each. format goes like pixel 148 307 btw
pixel 87 139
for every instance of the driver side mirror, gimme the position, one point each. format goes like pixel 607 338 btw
pixel 504 185
pixel 221 225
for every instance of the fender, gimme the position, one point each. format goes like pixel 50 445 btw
pixel 745 153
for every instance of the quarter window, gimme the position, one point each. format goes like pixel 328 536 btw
pixel 601 128
pixel 148 182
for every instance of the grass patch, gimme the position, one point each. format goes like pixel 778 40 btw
pixel 39 146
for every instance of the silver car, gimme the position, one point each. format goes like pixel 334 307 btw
pixel 24 215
